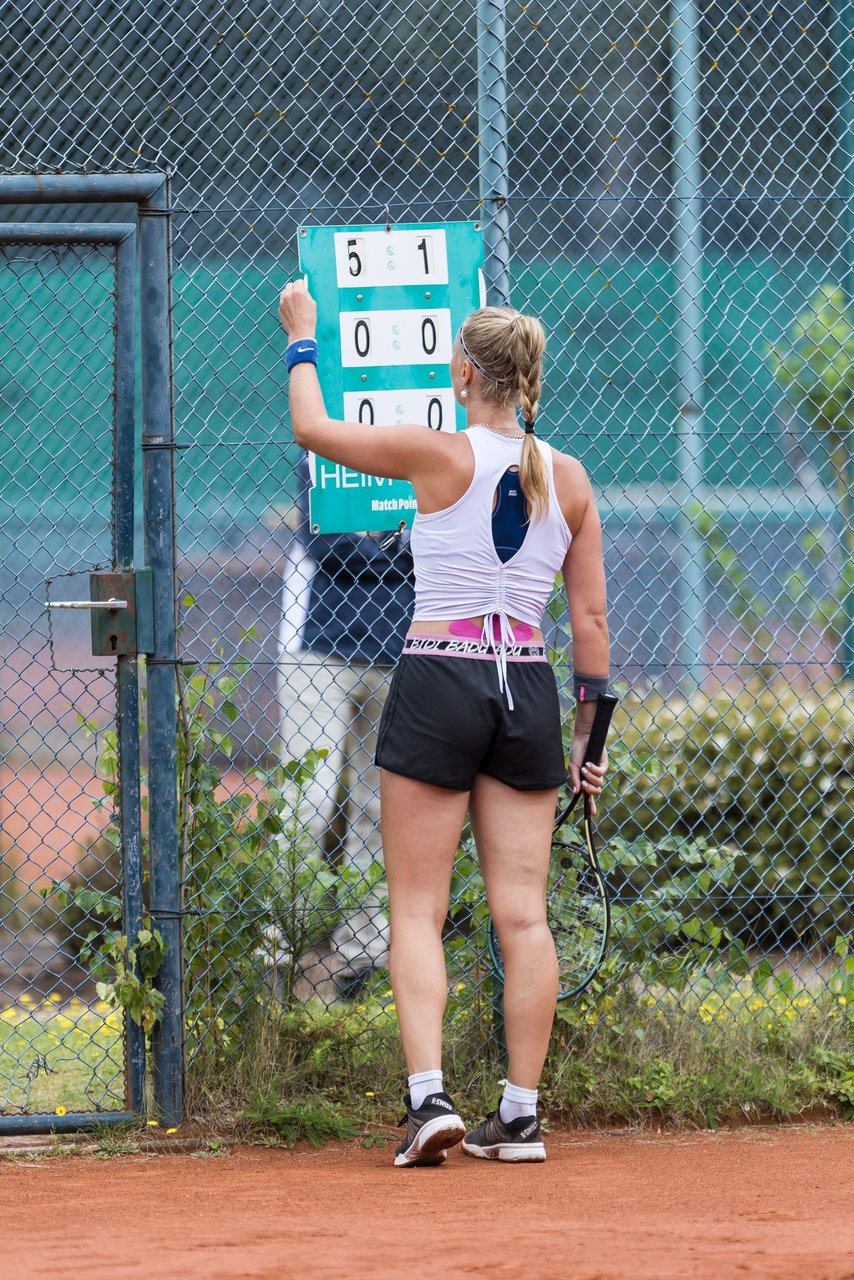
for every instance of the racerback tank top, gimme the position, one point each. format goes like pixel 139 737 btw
pixel 458 572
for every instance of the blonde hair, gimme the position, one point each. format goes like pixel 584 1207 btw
pixel 508 348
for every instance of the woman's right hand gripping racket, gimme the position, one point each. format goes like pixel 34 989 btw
pixel 576 893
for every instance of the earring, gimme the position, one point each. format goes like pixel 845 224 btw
pixel 464 394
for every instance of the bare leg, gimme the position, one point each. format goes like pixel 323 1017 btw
pixel 513 832
pixel 421 827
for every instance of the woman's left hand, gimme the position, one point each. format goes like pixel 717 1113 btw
pixel 590 776
pixel 298 311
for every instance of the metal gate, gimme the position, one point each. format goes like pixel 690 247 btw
pixel 81 872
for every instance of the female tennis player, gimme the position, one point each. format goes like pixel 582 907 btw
pixel 472 719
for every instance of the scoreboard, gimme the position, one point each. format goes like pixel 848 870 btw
pixel 390 300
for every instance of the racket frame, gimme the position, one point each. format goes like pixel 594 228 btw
pixel 593 753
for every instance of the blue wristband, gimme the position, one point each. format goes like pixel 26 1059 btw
pixel 304 351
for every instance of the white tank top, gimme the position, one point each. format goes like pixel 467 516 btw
pixel 458 573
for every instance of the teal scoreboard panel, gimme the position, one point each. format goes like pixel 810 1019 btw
pixel 389 302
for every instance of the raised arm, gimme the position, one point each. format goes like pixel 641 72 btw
pixel 399 453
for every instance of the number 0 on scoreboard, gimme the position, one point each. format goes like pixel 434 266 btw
pixel 389 304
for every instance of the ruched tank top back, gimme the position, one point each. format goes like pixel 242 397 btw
pixel 458 572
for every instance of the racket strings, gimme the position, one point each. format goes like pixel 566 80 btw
pixel 577 912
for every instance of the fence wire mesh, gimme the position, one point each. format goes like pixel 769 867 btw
pixel 676 192
pixel 59 1045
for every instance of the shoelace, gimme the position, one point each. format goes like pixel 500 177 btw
pixel 499 647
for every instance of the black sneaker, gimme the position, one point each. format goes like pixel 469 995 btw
pixel 430 1130
pixel 513 1140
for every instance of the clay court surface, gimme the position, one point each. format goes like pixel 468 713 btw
pixel 755 1202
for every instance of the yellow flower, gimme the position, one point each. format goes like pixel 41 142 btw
pixel 26 998
pixel 61 1111
pixel 55 997
pixel 461 986
pixel 842 1000
pixel 152 1124
pixel 370 1093
pixel 391 1006
pixel 171 1130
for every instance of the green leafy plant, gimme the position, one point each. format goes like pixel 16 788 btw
pixel 310 896
pixel 125 972
pixel 257 891
pixel 135 968
pixel 115 1140
pixel 316 1121
pixel 765 776
pixel 814 364
pixel 663 901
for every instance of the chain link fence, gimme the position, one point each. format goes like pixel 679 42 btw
pixel 670 191
pixel 59 1045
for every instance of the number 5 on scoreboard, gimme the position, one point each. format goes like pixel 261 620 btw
pixel 356 256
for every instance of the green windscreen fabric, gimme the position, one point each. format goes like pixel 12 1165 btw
pixel 609 390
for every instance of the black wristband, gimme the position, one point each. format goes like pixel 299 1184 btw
pixel 588 688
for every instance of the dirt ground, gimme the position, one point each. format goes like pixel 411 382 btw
pixel 48 817
pixel 770 1202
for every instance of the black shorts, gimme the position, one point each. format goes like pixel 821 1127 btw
pixel 446 720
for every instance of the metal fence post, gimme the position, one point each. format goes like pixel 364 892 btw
pixel 493 162
pixel 127 672
pixel 845 188
pixel 688 327
pixel 158 444
pixel 492 147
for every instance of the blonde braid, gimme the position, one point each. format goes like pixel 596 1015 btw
pixel 533 476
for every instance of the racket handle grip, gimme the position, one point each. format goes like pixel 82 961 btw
pixel 605 704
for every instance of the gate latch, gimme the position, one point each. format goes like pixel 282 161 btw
pixel 121 612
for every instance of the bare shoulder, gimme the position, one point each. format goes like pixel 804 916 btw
pixel 445 448
pixel 568 470
pixel 572 486
pixel 449 474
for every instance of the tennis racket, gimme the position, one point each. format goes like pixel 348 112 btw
pixel 577 905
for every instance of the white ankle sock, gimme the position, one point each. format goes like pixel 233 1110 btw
pixel 422 1084
pixel 517 1102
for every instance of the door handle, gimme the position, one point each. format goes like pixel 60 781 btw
pixel 86 604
